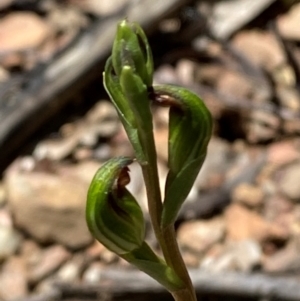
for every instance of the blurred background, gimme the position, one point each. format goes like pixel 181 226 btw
pixel 239 229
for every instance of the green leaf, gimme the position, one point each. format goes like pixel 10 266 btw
pixel 113 215
pixel 190 129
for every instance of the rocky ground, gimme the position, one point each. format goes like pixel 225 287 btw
pixel 243 213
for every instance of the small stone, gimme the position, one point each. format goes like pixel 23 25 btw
pixel 50 205
pixel 83 153
pixel 283 152
pixel 277 205
pixel 289 184
pixel 235 256
pixel 9 241
pixel 49 261
pixel 236 84
pixel 285 260
pixel 199 236
pixel 22 31
pixel 93 273
pixel 101 8
pixel 13 280
pixel 165 74
pixel 161 142
pixel 288 23
pixel 215 165
pixel 260 47
pixel 71 270
pixel 98 251
pixel 262 126
pixel 185 70
pixel 248 194
pixel 244 224
pixel 103 152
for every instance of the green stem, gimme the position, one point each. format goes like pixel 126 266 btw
pixel 167 236
pixel 174 259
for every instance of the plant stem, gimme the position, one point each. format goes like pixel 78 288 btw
pixel 167 236
pixel 175 260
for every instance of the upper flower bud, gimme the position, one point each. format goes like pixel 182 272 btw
pixel 131 48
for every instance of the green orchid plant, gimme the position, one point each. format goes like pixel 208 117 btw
pixel 113 215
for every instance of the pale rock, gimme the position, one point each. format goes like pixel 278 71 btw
pixel 9 241
pixel 165 74
pixel 103 152
pixel 161 143
pixel 262 126
pixel 244 224
pixel 101 8
pixel 93 273
pixel 284 261
pixel 289 182
pixel 288 23
pixel 48 261
pixel 185 70
pixel 13 279
pixel 248 194
pixel 199 236
pixel 277 205
pixel 231 15
pixel 136 179
pixel 161 117
pixel 101 121
pixel 22 31
pixel 283 152
pixel 83 153
pixel 215 165
pixel 236 84
pixel 50 205
pixel 71 270
pixel 291 127
pixel 98 251
pixel 241 256
pixel 260 47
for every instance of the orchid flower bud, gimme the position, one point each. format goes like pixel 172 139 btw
pixel 131 48
pixel 116 220
pixel 128 79
pixel 113 215
pixel 190 129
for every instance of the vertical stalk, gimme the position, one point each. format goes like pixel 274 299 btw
pixel 167 236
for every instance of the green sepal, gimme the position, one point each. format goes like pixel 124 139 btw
pixel 137 95
pixel 113 215
pixel 190 129
pixel 148 262
pixel 127 117
pixel 131 48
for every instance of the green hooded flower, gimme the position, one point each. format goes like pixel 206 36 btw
pixel 113 215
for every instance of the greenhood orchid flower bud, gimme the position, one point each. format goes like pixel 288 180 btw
pixel 128 79
pixel 131 48
pixel 190 128
pixel 116 220
pixel 113 215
